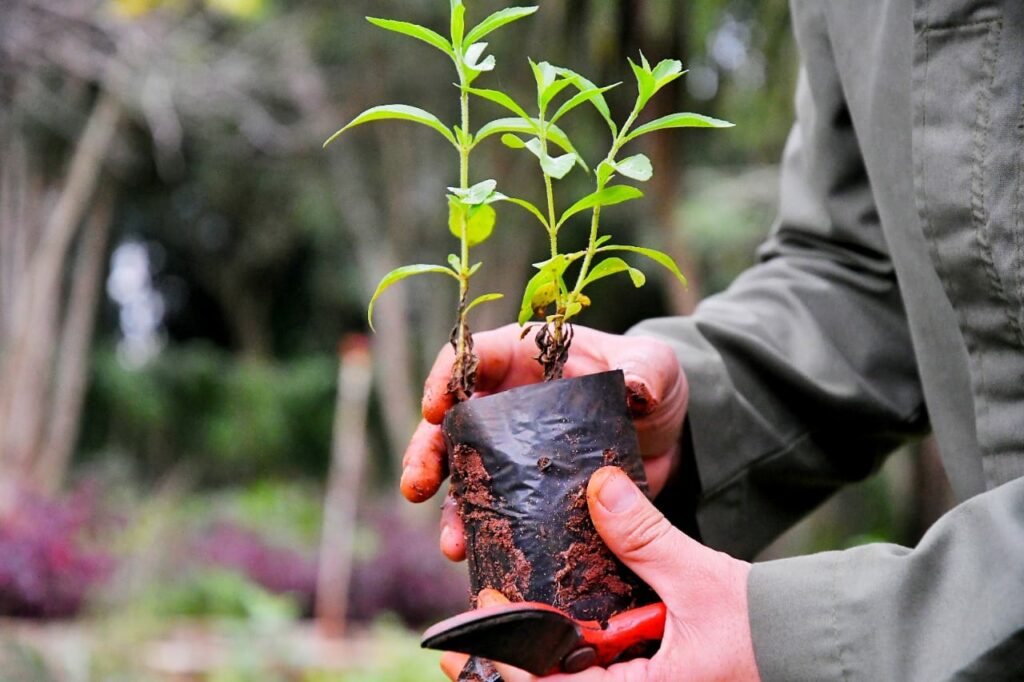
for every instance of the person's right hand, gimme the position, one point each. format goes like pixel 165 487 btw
pixel 656 390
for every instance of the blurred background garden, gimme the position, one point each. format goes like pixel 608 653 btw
pixel 198 456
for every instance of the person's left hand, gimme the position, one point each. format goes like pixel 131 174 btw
pixel 707 630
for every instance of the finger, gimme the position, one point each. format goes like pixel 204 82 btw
pixel 453 536
pixel 510 674
pixel 436 397
pixel 504 361
pixel 490 597
pixel 651 371
pixel 659 418
pixel 424 465
pixel 659 469
pixel 452 664
pixel 630 671
pixel 637 532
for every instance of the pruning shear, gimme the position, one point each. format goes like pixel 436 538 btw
pixel 544 640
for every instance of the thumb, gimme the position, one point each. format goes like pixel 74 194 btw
pixel 636 531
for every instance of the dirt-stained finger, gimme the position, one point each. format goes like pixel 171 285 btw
pixel 651 370
pixel 425 463
pixel 436 398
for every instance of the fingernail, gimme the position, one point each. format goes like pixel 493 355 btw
pixel 617 494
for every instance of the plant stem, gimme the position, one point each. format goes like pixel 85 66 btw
pixel 553 346
pixel 595 220
pixel 464 369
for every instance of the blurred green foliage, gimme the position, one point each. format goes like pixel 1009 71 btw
pixel 214 417
pixel 218 593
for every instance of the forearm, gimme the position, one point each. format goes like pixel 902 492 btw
pixel 952 608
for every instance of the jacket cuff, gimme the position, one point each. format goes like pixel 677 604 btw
pixel 794 618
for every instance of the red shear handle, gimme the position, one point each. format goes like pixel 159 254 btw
pixel 627 629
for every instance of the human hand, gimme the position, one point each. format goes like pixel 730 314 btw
pixel 656 390
pixel 707 630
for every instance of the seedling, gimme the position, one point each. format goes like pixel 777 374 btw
pixel 471 214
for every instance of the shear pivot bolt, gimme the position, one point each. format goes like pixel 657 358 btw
pixel 579 660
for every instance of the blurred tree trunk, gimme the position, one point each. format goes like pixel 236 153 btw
pixel 31 333
pixel 392 361
pixel 75 346
pixel 344 481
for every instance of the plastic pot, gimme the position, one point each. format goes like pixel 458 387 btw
pixel 520 461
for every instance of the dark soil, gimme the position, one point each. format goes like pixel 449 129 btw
pixel 590 571
pixel 479 670
pixel 499 564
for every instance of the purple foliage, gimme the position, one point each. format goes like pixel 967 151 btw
pixel 407 576
pixel 46 569
pixel 276 569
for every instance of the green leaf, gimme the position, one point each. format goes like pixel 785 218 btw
pixel 609 196
pixel 506 125
pixel 458 23
pixel 580 98
pixel 645 82
pixel 478 221
pixel 461 137
pixel 477 194
pixel 522 203
pixel 635 167
pixel 415 31
pixel 512 141
pixel 599 102
pixel 472 58
pixel 528 126
pixel 552 91
pixel 667 71
pixel 606 268
pixel 682 120
pixel 544 74
pixel 397 275
pixel 455 262
pixel 550 274
pixel 397 112
pixel 556 167
pixel 497 20
pixel 502 99
pixel 605 171
pixel 486 298
pixel 657 256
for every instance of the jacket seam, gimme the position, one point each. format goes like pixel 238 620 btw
pixel 1018 211
pixel 979 212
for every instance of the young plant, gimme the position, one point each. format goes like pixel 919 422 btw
pixel 547 293
pixel 471 218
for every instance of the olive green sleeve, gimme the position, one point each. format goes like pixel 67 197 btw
pixel 950 609
pixel 802 374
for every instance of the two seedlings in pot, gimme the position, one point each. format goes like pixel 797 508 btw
pixel 548 295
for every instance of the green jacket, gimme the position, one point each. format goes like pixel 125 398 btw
pixel 889 298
